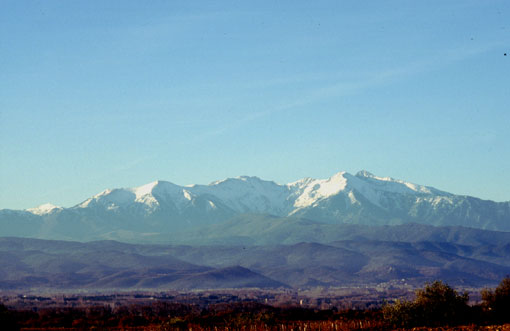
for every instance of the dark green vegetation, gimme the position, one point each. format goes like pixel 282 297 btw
pixel 497 301
pixel 436 305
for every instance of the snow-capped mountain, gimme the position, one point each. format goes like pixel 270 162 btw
pixel 253 195
pixel 163 207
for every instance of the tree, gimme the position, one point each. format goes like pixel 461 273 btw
pixel 436 304
pixel 497 302
pixel 441 303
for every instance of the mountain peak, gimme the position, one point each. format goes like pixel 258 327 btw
pixel 145 189
pixel 339 174
pixel 160 186
pixel 247 179
pixel 310 191
pixel 364 173
pixel 44 209
pixel 361 198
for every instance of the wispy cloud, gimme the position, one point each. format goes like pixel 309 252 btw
pixel 343 88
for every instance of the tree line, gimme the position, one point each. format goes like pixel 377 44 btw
pixel 437 304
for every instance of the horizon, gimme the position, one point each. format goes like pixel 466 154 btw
pixel 106 95
pixel 50 204
pixel 73 204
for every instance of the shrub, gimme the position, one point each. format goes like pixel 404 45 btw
pixel 436 304
pixel 401 313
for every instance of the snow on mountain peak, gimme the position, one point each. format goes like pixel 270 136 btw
pixel 375 188
pixel 150 194
pixel 247 179
pixel 140 191
pixel 363 198
pixel 311 190
pixel 301 182
pixel 249 194
pixel 394 185
pixel 116 197
pixel 366 174
pixel 44 209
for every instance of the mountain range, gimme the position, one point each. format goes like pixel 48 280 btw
pixel 162 211
pixel 109 265
pixel 347 230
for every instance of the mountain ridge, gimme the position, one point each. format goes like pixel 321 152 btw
pixel 167 187
pixel 46 264
pixel 164 207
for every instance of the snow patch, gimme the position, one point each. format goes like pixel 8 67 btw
pixel 44 209
pixel 112 207
pixel 186 195
pixel 352 198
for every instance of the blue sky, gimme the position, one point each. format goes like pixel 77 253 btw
pixel 103 94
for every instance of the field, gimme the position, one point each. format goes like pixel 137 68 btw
pixel 250 309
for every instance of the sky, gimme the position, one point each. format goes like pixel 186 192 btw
pixel 107 94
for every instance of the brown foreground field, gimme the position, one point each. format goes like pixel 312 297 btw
pixel 224 317
pixel 216 316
